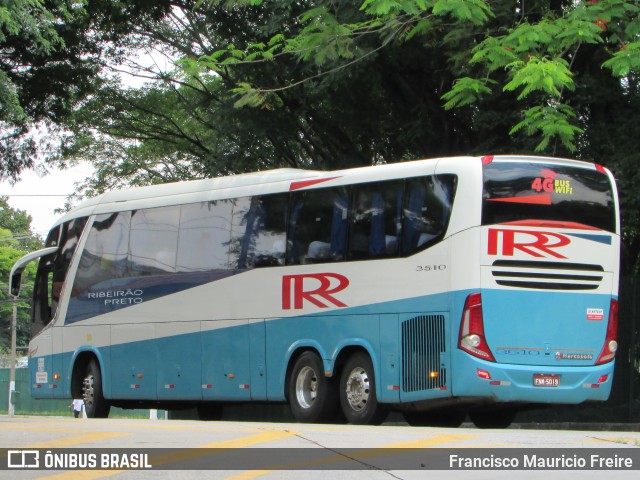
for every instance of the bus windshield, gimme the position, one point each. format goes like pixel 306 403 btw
pixel 520 191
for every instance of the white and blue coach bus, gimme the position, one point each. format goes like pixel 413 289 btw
pixel 439 288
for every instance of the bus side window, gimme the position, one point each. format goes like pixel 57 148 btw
pixel 153 241
pixel 52 271
pixel 203 245
pixel 317 226
pixel 427 210
pixel 105 254
pixel 264 239
pixel 374 225
pixel 257 231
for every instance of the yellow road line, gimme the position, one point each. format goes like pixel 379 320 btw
pixel 22 428
pixel 391 448
pixel 78 440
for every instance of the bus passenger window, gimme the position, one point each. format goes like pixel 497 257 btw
pixel 153 241
pixel 427 210
pixel 317 226
pixel 205 229
pixel 375 221
pixel 264 241
pixel 105 254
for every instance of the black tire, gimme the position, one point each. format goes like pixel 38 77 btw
pixel 435 418
pixel 493 418
pixel 313 398
pixel 209 412
pixel 358 392
pixel 94 402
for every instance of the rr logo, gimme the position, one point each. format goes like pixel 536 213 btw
pixel 317 288
pixel 536 244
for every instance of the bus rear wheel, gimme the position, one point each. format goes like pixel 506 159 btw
pixel 435 418
pixel 313 397
pixel 94 402
pixel 358 392
pixel 498 418
pixel 209 412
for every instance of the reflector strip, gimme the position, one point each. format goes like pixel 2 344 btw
pixel 207 385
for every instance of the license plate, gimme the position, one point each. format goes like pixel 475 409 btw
pixel 545 380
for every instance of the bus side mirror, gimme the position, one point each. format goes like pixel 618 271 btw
pixel 15 277
pixel 16 281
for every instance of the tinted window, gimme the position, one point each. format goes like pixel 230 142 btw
pixel 515 191
pixel 427 209
pixel 375 221
pixel 106 252
pixel 264 241
pixel 205 231
pixel 318 226
pixel 154 240
pixel 52 271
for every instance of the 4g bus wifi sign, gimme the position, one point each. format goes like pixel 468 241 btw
pixel 548 183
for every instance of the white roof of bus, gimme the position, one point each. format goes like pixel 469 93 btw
pixel 263 182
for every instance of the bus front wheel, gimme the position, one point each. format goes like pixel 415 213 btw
pixel 358 392
pixel 312 396
pixel 94 402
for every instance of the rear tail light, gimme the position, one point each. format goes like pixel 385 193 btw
pixel 611 340
pixel 471 338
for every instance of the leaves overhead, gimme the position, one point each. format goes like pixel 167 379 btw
pixel 244 85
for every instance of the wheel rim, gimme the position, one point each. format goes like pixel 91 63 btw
pixel 306 387
pixel 358 388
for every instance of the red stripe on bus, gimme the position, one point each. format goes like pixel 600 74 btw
pixel 543 199
pixel 307 183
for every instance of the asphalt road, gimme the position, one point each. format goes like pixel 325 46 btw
pixel 186 449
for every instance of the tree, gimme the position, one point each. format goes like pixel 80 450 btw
pixel 16 240
pixel 52 57
pixel 325 84
pixel 191 123
pixel 16 226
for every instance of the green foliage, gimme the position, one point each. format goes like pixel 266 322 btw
pixel 625 61
pixel 476 12
pixel 544 75
pixel 336 83
pixel 30 20
pixel 16 228
pixel 16 240
pixel 550 122
pixel 466 91
pixel 51 56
